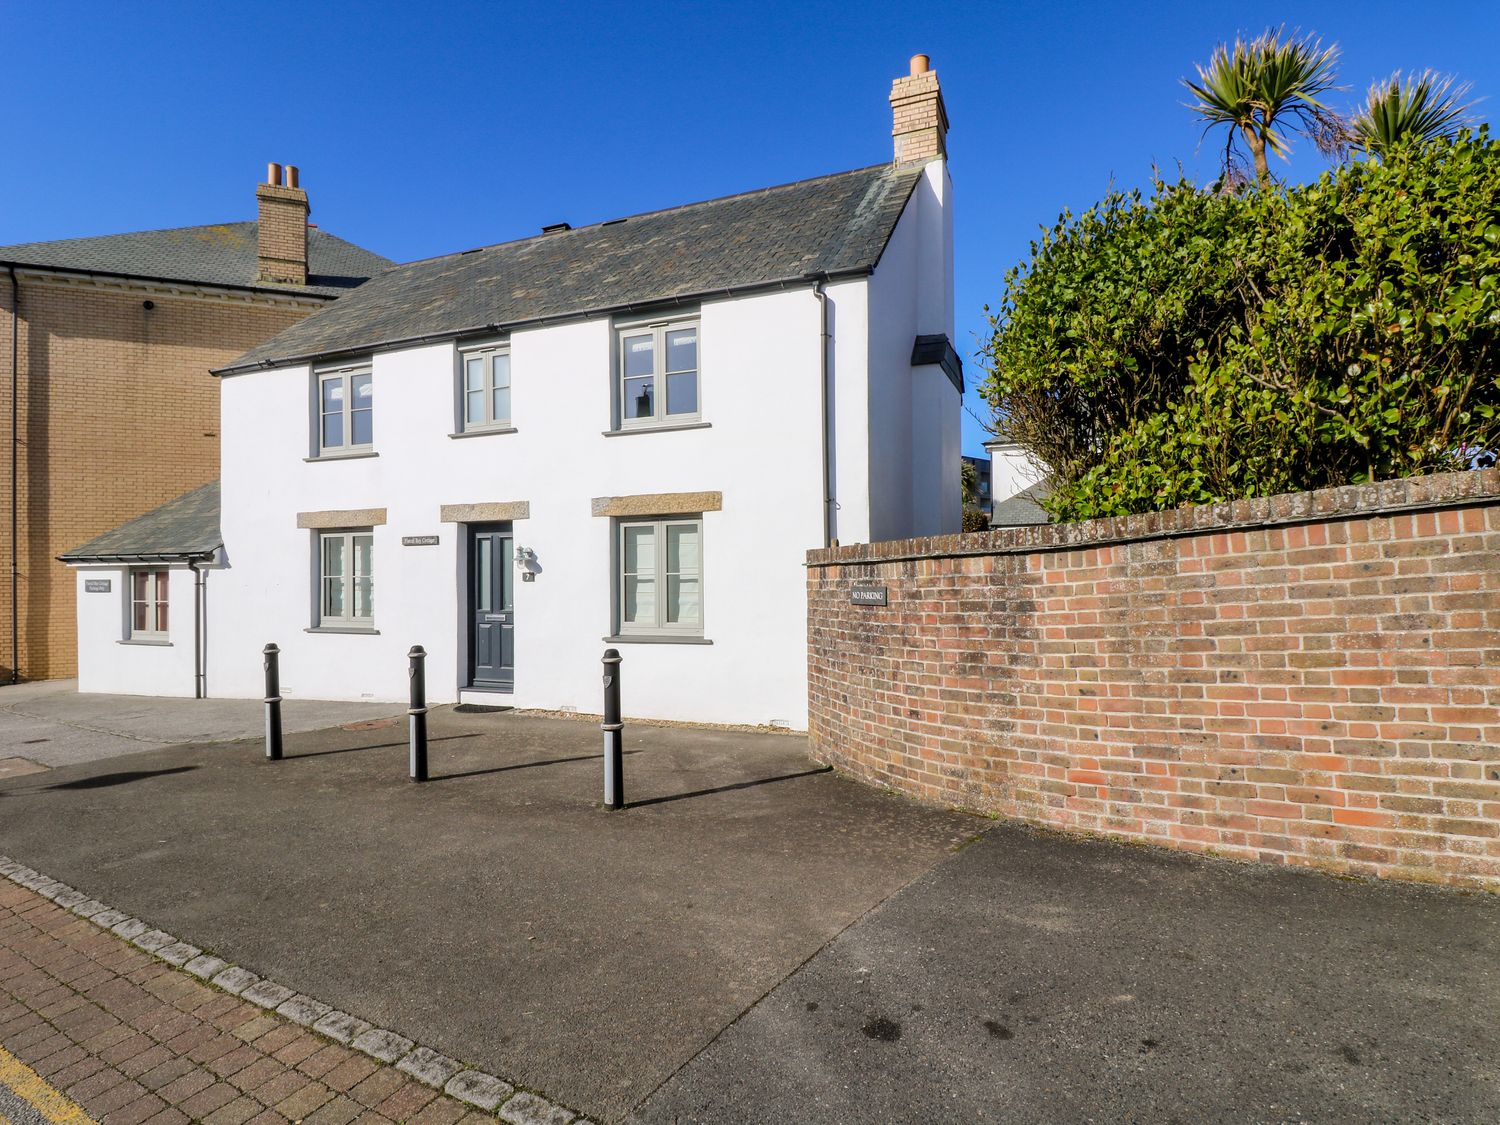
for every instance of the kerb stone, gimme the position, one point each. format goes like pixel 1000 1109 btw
pixel 426 1065
pixel 267 993
pixel 381 1044
pixel 341 1026
pixel 234 980
pixel 479 1089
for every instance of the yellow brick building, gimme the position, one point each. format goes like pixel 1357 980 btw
pixel 106 402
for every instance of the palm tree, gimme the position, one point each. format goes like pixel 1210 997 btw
pixel 1414 110
pixel 1260 87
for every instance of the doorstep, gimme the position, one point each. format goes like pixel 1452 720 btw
pixel 485 697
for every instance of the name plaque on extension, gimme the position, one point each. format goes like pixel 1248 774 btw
pixel 419 541
pixel 867 595
pixel 96 585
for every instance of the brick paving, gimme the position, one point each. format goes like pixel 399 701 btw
pixel 134 1040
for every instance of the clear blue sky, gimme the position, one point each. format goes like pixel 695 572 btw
pixel 423 128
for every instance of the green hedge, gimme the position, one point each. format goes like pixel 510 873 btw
pixel 1200 346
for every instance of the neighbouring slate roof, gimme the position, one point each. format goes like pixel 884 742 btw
pixel 836 225
pixel 1024 509
pixel 223 254
pixel 183 528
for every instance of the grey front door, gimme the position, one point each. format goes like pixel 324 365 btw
pixel 492 617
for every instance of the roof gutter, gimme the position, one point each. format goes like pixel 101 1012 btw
pixel 78 271
pixel 128 558
pixel 802 281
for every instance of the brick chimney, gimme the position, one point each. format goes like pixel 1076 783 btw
pixel 920 118
pixel 281 232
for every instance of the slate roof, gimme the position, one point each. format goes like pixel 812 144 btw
pixel 838 225
pixel 1024 509
pixel 224 254
pixel 187 527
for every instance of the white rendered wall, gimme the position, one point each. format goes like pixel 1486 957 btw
pixel 1012 470
pixel 915 412
pixel 849 408
pixel 108 666
pixel 762 450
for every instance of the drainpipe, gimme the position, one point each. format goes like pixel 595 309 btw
pixel 15 481
pixel 200 629
pixel 828 501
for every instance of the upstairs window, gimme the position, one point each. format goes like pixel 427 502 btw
pixel 148 605
pixel 658 373
pixel 484 388
pixel 346 588
pixel 345 416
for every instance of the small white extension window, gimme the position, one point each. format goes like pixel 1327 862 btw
pixel 661 577
pixel 484 387
pixel 346 585
pixel 345 411
pixel 148 605
pixel 658 374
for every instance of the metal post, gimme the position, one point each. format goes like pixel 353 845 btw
pixel 273 704
pixel 614 733
pixel 417 712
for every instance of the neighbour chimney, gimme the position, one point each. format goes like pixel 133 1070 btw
pixel 920 118
pixel 281 230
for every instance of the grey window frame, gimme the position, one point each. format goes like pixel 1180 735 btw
pixel 661 627
pixel 347 578
pixel 490 350
pixel 347 373
pixel 658 326
pixel 156 636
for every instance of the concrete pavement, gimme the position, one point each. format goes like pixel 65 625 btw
pixel 52 724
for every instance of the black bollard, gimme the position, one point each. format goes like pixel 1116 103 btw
pixel 417 712
pixel 614 733
pixel 273 703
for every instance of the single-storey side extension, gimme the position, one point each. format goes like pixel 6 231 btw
pixel 622 435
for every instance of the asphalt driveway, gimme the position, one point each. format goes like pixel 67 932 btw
pixel 1040 979
pixel 496 912
pixel 757 939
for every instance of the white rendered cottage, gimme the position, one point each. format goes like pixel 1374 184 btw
pixel 626 434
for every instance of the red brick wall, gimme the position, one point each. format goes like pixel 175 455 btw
pixel 1310 679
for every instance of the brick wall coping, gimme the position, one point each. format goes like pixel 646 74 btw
pixel 1410 494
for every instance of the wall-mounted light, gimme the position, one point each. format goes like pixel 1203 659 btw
pixel 526 563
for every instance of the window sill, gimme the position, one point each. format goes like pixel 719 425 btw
pixel 485 431
pixel 662 429
pixel 343 456
pixel 144 643
pixel 655 639
pixel 342 629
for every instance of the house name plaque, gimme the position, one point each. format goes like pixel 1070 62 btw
pixel 96 585
pixel 419 541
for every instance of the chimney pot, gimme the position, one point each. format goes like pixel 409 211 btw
pixel 273 173
pixel 292 176
pixel 919 64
